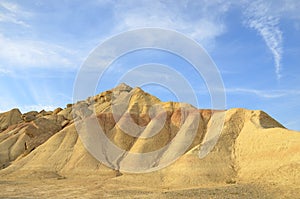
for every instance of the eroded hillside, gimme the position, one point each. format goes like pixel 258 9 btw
pixel 251 148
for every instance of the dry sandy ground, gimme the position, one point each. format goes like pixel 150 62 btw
pixel 111 188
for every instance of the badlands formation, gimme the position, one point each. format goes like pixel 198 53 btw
pixel 43 156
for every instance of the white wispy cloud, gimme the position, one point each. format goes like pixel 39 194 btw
pixel 37 107
pixel 6 103
pixel 13 13
pixel 205 26
pixel 32 53
pixel 11 19
pixel 25 50
pixel 4 71
pixel 27 108
pixel 263 93
pixel 260 18
pixel 286 8
pixel 10 6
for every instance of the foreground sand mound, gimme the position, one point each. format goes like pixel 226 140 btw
pixel 252 147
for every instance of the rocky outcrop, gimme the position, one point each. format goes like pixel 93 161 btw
pixel 30 116
pixel 9 118
pixel 26 133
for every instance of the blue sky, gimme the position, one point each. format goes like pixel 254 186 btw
pixel 254 44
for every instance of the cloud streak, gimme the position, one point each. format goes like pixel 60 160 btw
pixel 205 26
pixel 4 71
pixel 13 13
pixel 25 50
pixel 32 53
pixel 259 17
pixel 263 93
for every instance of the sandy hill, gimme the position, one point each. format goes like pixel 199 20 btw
pixel 254 156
